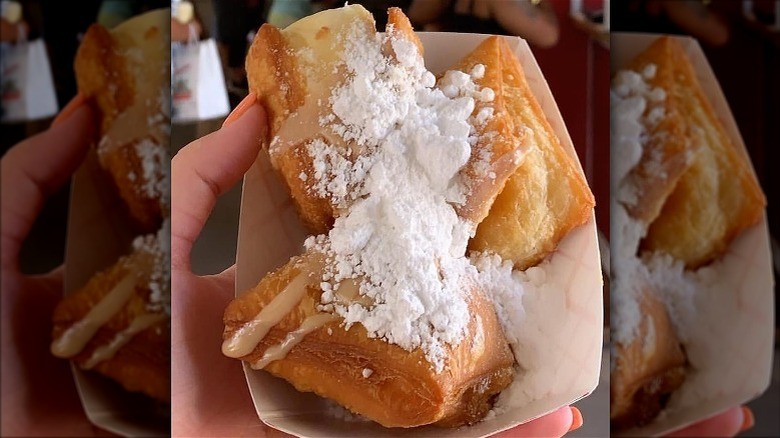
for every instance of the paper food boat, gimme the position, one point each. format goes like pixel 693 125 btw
pixel 743 322
pixel 99 232
pixel 567 324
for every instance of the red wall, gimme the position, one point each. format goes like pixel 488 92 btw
pixel 577 70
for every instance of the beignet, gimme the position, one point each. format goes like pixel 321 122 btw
pixel 368 376
pixel 126 71
pixel 546 197
pixel 119 323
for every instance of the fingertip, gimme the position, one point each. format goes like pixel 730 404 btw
pixel 71 107
pixel 577 420
pixel 748 419
pixel 240 109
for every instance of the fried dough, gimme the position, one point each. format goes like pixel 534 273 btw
pixel 648 369
pixel 546 197
pixel 500 140
pixel 126 72
pixel 717 196
pixel 133 345
pixel 293 71
pixel 401 389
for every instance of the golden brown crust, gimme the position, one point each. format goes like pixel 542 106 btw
pixel 144 363
pixel 500 137
pixel 121 163
pixel 546 197
pixel 717 196
pixel 647 370
pixel 114 92
pixel 114 71
pixel 665 157
pixel 274 76
pixel 398 25
pixel 402 390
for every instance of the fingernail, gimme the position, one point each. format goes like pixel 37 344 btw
pixel 576 419
pixel 242 107
pixel 748 420
pixel 69 109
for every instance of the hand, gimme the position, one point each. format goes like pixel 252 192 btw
pixel 728 423
pixel 208 390
pixel 38 394
pixel 554 424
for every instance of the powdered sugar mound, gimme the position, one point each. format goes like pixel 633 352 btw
pixel 400 236
pixel 337 176
pixel 505 289
pixel 158 247
pixel 636 108
pixel 155 165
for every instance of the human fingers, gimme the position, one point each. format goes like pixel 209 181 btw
pixel 208 390
pixel 727 423
pixel 35 168
pixel 206 168
pixel 554 424
pixel 225 282
pixel 698 20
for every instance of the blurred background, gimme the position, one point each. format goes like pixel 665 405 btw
pixel 59 25
pixel 741 40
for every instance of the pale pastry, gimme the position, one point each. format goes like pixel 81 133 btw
pixel 118 324
pixel 292 72
pixel 126 72
pixel 546 197
pixel 717 196
pixel 368 376
pixel 647 370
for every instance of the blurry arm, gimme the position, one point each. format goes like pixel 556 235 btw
pixel 426 11
pixel 536 23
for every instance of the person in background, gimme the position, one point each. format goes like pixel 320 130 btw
pixel 533 20
pixel 691 17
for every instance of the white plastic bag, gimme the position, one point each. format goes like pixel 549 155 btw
pixel 198 90
pixel 27 87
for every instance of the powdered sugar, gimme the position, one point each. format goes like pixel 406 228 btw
pixel 697 302
pixel 158 247
pixel 636 108
pixel 630 123
pixel 400 235
pixel 155 164
pixel 505 288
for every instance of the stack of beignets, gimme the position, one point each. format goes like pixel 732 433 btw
pixel 125 71
pixel 118 324
pixel 292 72
pixel 693 192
